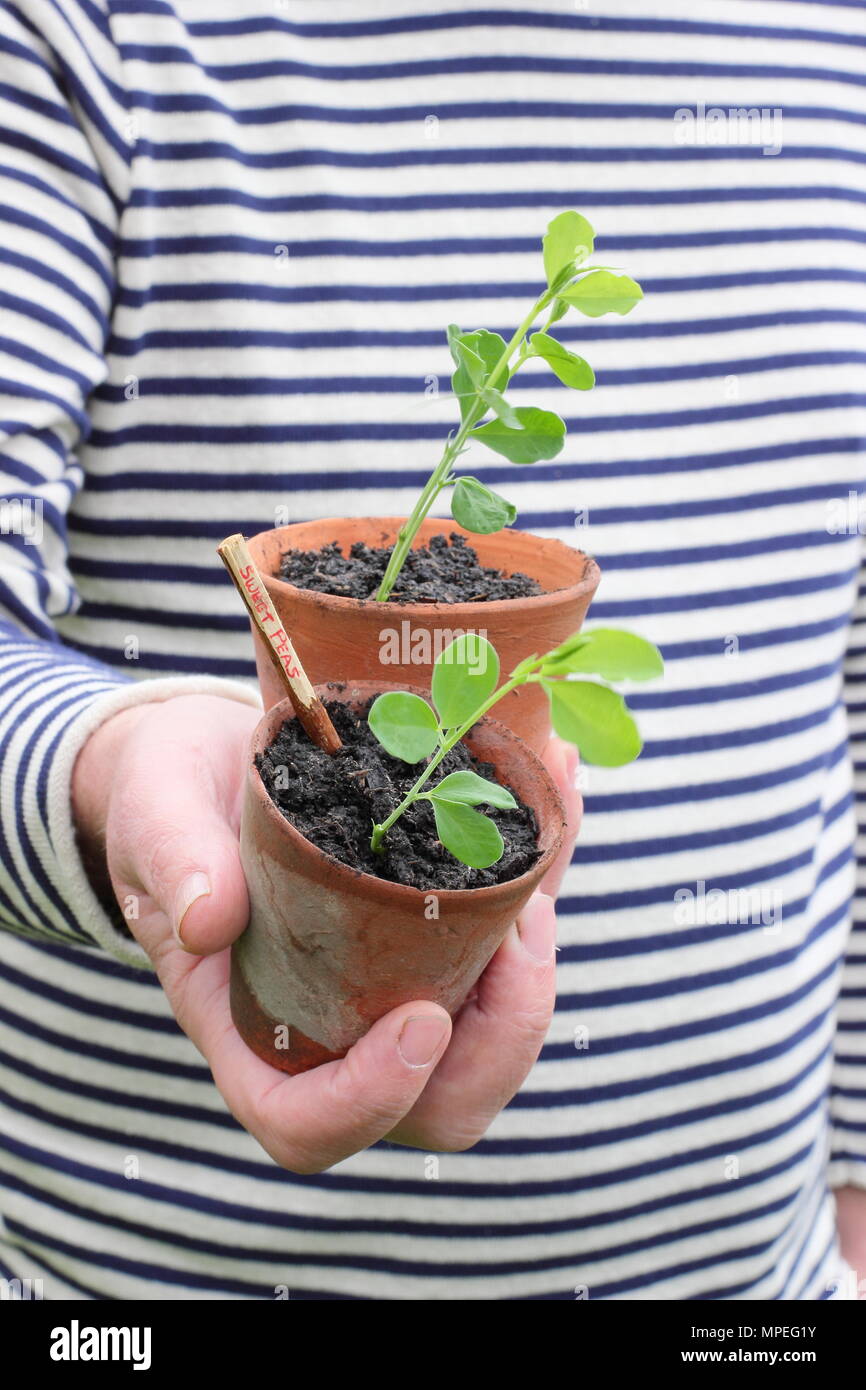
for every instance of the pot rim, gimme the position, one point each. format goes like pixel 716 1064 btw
pixel 588 581
pixel 372 886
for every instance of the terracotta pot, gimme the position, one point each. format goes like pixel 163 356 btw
pixel 329 949
pixel 353 639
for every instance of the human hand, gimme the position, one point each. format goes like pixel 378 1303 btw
pixel 851 1225
pixel 158 790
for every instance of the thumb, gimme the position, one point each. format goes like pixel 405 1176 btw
pixel 204 890
pixel 172 836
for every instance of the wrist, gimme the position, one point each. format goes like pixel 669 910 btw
pixel 93 774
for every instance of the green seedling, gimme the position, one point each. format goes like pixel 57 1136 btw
pixel 484 364
pixel 466 685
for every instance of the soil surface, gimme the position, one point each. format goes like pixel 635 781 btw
pixel 441 572
pixel 334 801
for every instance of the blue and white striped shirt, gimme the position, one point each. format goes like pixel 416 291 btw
pixel 230 239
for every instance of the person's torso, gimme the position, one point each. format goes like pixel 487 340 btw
pixel 316 193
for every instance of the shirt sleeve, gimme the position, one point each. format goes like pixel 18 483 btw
pixel 64 178
pixel 848 1094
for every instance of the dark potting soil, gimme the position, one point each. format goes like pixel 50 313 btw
pixel 334 801
pixel 439 572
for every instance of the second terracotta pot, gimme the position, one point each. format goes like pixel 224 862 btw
pixel 329 949
pixel 351 639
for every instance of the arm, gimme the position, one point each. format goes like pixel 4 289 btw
pixel 154 773
pixel 848 1096
pixel 64 175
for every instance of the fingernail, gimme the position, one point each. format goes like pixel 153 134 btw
pixel 194 887
pixel 571 756
pixel 537 928
pixel 420 1038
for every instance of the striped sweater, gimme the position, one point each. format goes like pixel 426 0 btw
pixel 231 236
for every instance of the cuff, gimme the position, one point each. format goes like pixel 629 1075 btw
pixel 846 1170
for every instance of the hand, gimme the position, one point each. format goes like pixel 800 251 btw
pixel 157 790
pixel 500 1030
pixel 851 1225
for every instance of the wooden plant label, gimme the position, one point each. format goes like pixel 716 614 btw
pixel 237 559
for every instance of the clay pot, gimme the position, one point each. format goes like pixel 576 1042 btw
pixel 353 639
pixel 329 949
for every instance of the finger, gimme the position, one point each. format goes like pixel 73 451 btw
pixel 496 1040
pixel 561 760
pixel 173 830
pixel 309 1122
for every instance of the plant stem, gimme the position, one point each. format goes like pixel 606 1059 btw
pixel 440 477
pixel 453 737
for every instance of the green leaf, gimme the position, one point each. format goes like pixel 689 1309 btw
pixel 596 719
pixel 568 242
pixel 464 354
pixel 607 652
pixel 469 370
pixel 478 509
pixel 490 348
pixel 571 644
pixel 468 787
pixel 571 369
pixel 404 724
pixel 470 836
pixel 502 408
pixel 454 333
pixel 475 356
pixel 541 436
pixel 601 292
pixel 464 675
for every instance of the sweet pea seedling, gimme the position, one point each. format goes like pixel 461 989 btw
pixel 464 687
pixel 483 366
